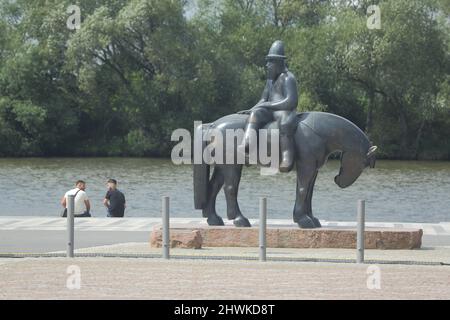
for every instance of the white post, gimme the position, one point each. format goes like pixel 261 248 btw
pixel 70 225
pixel 165 228
pixel 360 231
pixel 262 229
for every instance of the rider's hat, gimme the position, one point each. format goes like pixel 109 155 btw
pixel 276 51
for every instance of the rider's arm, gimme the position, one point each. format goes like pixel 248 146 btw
pixel 264 99
pixel 264 96
pixel 266 92
pixel 290 102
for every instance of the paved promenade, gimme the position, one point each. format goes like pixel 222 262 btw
pixel 104 248
pixel 427 256
pixel 103 278
pixel 41 235
pixel 146 224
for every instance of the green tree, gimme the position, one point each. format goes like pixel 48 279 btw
pixel 138 69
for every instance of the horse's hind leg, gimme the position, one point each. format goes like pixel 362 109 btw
pixel 215 184
pixel 232 174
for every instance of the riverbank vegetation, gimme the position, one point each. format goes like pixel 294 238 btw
pixel 138 69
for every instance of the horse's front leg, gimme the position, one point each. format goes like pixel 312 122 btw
pixel 215 184
pixel 305 175
pixel 232 175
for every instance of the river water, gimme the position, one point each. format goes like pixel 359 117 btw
pixel 396 191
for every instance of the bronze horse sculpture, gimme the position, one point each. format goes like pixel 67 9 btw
pixel 317 136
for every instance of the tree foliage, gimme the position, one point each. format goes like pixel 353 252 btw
pixel 138 69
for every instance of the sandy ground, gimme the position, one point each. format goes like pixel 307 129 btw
pixel 117 278
pixel 425 255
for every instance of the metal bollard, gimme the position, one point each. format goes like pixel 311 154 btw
pixel 360 231
pixel 165 228
pixel 70 225
pixel 262 229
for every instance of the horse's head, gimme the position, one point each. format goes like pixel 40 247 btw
pixel 353 164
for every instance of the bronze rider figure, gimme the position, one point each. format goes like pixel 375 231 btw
pixel 278 102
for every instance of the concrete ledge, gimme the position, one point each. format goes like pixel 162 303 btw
pixel 279 237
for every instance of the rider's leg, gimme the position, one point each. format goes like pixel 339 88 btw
pixel 258 118
pixel 286 124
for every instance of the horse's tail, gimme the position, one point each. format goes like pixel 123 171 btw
pixel 201 176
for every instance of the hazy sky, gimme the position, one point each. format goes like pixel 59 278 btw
pixel 191 7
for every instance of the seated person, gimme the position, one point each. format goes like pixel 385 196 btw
pixel 82 205
pixel 114 200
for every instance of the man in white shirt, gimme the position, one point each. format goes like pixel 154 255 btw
pixel 82 204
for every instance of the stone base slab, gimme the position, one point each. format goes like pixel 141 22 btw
pixel 179 238
pixel 288 237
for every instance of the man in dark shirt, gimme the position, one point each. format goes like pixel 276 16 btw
pixel 114 200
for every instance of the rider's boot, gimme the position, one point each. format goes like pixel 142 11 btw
pixel 287 153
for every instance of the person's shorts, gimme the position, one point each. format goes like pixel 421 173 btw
pixel 84 215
